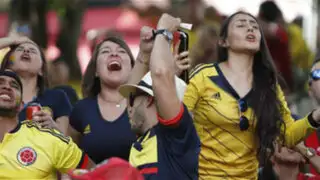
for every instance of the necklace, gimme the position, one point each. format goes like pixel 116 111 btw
pixel 117 104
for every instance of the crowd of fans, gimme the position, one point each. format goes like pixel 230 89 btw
pixel 138 120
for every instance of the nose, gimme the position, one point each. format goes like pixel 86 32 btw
pixel 250 29
pixel 113 53
pixel 26 50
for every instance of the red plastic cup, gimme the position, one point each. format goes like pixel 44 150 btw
pixel 32 108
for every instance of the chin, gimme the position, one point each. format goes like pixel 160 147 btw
pixel 7 106
pixel 8 112
pixel 137 131
pixel 115 81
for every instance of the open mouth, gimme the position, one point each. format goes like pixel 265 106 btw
pixel 25 57
pixel 5 97
pixel 114 66
pixel 251 38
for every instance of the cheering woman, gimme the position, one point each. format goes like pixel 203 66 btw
pixel 238 107
pixel 27 60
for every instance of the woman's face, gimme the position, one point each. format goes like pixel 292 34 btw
pixel 113 64
pixel 26 58
pixel 243 34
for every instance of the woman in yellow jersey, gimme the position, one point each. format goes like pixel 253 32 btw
pixel 238 107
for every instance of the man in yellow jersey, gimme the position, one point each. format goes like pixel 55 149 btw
pixel 28 151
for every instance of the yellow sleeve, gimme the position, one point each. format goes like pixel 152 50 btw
pixel 295 131
pixel 66 154
pixel 194 88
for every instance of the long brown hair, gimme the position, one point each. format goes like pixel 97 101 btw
pixel 91 83
pixel 42 80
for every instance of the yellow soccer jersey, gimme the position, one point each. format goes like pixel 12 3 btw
pixel 31 152
pixel 226 151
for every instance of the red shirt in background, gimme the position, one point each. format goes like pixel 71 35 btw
pixel 313 142
pixel 279 49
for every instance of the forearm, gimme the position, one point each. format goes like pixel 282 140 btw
pixel 298 131
pixel 5 42
pixel 161 57
pixel 140 68
pixel 163 82
pixel 62 124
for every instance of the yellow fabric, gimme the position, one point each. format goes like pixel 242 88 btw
pixel 3 52
pixel 149 153
pixel 226 151
pixel 77 87
pixel 192 37
pixel 301 55
pixel 52 151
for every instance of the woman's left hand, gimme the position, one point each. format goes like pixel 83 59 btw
pixel 44 119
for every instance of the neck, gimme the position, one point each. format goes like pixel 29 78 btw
pixel 110 94
pixel 30 88
pixel 7 124
pixel 240 63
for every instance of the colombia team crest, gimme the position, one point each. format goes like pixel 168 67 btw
pixel 26 156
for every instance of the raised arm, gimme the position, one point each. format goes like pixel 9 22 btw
pixel 142 62
pixel 12 40
pixel 163 70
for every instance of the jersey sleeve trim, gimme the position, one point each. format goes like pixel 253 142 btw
pixel 151 170
pixel 199 68
pixel 174 121
pixel 83 164
pixel 59 135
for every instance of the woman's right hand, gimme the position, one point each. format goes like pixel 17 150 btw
pixel 146 39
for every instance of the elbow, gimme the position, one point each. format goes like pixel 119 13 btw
pixel 161 73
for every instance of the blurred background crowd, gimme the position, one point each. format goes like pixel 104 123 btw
pixel 68 30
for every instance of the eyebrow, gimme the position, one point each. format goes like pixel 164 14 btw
pixel 244 20
pixel 32 48
pixel 2 79
pixel 15 83
pixel 105 47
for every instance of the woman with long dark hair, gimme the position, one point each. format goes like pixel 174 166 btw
pixel 100 120
pixel 27 60
pixel 238 107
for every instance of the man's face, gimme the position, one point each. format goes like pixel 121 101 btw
pixel 315 85
pixel 136 111
pixel 10 94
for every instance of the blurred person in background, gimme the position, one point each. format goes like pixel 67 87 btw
pixel 274 28
pixel 314 93
pixel 99 122
pixel 28 61
pixel 205 47
pixel 59 79
pixel 301 56
pixel 238 107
